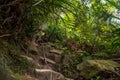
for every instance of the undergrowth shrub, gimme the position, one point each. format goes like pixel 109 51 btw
pixel 11 55
pixel 20 65
pixel 54 33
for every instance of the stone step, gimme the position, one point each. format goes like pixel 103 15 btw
pixel 52 56
pixel 56 51
pixel 47 60
pixel 48 74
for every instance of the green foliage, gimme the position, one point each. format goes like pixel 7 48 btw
pixel 113 3
pixel 93 24
pixel 98 78
pixel 54 33
pixel 101 55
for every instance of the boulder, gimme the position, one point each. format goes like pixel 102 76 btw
pixel 90 68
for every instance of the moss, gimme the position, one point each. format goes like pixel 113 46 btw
pixel 91 68
pixel 22 77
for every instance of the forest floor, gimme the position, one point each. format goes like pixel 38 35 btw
pixel 47 61
pixel 50 63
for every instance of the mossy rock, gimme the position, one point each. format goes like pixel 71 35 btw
pixel 91 68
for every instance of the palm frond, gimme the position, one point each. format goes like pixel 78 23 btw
pixel 114 4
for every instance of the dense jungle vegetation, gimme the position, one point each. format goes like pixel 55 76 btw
pixel 87 32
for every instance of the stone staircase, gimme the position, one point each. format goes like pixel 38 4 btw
pixel 49 59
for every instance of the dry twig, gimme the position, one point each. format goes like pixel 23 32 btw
pixel 5 35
